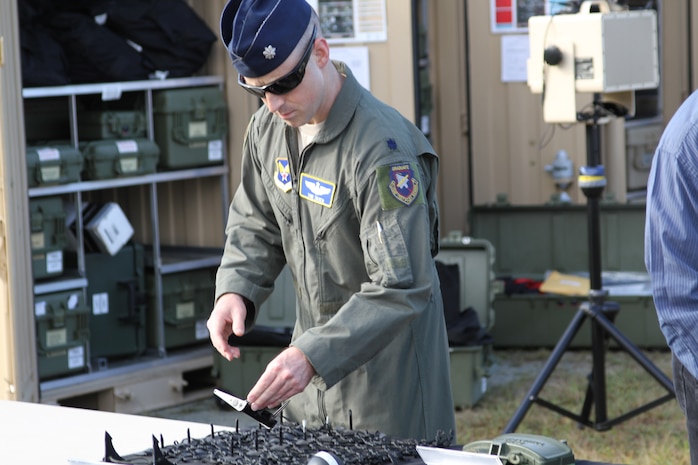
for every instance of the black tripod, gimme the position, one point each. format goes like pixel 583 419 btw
pixel 600 312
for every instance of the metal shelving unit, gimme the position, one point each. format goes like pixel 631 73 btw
pixel 162 260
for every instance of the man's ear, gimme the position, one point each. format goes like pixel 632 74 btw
pixel 321 52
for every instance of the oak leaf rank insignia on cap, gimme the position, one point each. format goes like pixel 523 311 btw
pixel 269 52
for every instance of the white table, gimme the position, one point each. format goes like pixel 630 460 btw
pixel 39 434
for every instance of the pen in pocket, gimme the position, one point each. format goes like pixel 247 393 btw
pixel 379 229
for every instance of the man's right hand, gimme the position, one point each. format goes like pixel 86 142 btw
pixel 227 318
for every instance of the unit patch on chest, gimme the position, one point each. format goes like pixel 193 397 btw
pixel 317 190
pixel 399 185
pixel 282 174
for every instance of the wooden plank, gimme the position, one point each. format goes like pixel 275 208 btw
pixel 18 363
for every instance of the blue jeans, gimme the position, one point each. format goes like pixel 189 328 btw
pixel 686 387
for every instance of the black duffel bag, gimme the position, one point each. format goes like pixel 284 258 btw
pixel 94 52
pixel 169 33
pixel 43 60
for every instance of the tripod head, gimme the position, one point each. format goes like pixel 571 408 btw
pixel 600 49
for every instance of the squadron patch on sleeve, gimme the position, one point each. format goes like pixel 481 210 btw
pixel 282 174
pixel 399 185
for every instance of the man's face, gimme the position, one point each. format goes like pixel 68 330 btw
pixel 299 105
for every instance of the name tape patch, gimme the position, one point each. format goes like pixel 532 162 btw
pixel 317 190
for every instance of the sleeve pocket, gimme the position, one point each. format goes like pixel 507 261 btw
pixel 390 264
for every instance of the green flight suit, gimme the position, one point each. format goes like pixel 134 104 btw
pixel 355 218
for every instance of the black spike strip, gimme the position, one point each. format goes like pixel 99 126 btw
pixel 110 455
pixel 158 456
pixel 289 445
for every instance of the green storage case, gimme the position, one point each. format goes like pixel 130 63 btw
pixel 114 158
pixel 116 294
pixel 54 164
pixel 187 300
pixel 475 259
pixel 93 125
pixel 48 236
pixel 539 320
pixel 241 374
pixel 532 240
pixel 62 333
pixel 469 366
pixel 190 125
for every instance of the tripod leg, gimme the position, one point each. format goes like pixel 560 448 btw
pixel 588 399
pixel 550 364
pixel 596 389
pixel 631 349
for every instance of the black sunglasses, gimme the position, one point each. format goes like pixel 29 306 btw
pixel 286 83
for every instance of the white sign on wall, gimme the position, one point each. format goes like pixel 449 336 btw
pixel 345 21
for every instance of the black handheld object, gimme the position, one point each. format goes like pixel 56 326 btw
pixel 265 417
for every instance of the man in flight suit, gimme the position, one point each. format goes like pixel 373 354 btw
pixel 341 188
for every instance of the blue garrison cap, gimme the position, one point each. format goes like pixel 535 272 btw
pixel 261 34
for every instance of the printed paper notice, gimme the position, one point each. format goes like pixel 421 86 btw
pixel 514 54
pixel 344 21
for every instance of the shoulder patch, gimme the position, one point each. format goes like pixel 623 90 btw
pixel 399 185
pixel 282 174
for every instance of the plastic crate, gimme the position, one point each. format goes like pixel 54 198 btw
pixel 190 126
pixel 93 125
pixel 531 240
pixel 539 320
pixel 53 164
pixel 114 158
pixel 475 259
pixel 116 295
pixel 48 237
pixel 62 333
pixel 468 374
pixel 187 300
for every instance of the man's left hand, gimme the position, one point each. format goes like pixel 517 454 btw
pixel 285 376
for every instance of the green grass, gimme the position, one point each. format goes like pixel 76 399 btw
pixel 657 436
